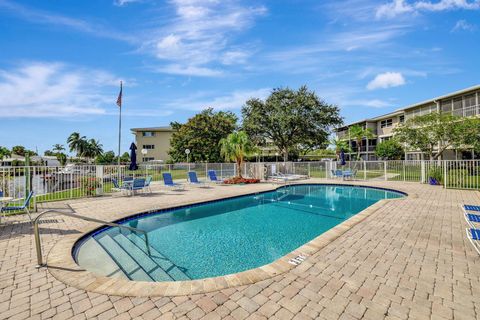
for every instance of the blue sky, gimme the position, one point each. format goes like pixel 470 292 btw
pixel 61 61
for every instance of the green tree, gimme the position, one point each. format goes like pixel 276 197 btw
pixel 58 148
pixel 435 132
pixel 62 158
pixel 77 143
pixel 358 133
pixel 106 158
pixel 235 147
pixel 93 148
pixel 389 150
pixel 293 120
pixel 125 158
pixel 19 150
pixel 201 134
pixel 339 145
pixel 4 152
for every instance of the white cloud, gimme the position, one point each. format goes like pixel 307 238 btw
pixel 53 90
pixel 201 35
pixel 386 80
pixel 399 7
pixel 122 3
pixel 46 17
pixel 463 25
pixel 233 101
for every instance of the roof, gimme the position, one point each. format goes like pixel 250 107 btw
pixel 161 129
pixel 402 110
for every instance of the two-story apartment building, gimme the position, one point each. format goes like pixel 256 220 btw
pixel 464 103
pixel 156 142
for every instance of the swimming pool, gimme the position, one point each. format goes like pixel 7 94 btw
pixel 225 236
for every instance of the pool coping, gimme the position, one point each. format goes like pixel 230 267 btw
pixel 61 263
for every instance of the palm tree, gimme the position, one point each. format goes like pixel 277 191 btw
pixel 358 133
pixel 93 148
pixel 4 152
pixel 235 147
pixel 77 143
pixel 340 145
pixel 58 148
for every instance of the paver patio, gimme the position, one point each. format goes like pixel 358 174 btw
pixel 408 259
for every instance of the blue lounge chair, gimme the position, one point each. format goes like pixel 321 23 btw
pixel 148 181
pixel 138 184
pixel 25 205
pixel 469 207
pixel 472 219
pixel 474 236
pixel 122 188
pixel 337 173
pixel 168 181
pixel 193 179
pixel 212 176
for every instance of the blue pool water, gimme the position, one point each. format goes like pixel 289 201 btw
pixel 231 235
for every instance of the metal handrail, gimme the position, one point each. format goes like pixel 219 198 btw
pixel 36 230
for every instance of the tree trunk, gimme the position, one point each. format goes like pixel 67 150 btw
pixel 239 168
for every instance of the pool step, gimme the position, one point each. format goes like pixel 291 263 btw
pixel 174 272
pixel 155 271
pixel 128 265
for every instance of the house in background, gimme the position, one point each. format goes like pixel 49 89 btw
pixel 463 103
pixel 155 140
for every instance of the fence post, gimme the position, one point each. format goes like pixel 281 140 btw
pixel 309 170
pixel 99 176
pixel 444 163
pixel 364 170
pixel 385 170
pixel 404 171
pixel 422 173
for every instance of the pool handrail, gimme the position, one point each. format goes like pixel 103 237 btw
pixel 36 230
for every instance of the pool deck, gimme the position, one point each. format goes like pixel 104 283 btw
pixel 405 259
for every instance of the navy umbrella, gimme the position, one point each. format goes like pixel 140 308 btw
pixel 342 158
pixel 133 157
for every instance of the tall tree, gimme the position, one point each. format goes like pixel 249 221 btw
pixel 339 145
pixel 58 148
pixel 77 143
pixel 19 150
pixel 389 150
pixel 435 132
pixel 293 120
pixel 235 147
pixel 358 133
pixel 201 135
pixel 4 152
pixel 93 149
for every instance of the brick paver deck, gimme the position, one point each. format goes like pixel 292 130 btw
pixel 409 259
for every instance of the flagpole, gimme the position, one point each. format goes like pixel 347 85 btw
pixel 120 122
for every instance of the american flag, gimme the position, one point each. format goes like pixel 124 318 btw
pixel 119 99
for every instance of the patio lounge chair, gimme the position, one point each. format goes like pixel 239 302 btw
pixel 193 179
pixel 469 207
pixel 212 176
pixel 349 174
pixel 138 184
pixel 472 219
pixel 25 205
pixel 117 187
pixel 148 181
pixel 474 236
pixel 337 173
pixel 168 181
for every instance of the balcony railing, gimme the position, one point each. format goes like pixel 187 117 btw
pixel 465 112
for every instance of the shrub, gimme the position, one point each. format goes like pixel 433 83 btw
pixel 90 185
pixel 238 180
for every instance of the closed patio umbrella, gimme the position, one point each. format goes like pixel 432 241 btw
pixel 342 158
pixel 133 157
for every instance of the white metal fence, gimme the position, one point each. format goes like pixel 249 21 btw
pixel 60 183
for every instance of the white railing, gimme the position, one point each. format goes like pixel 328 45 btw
pixel 61 183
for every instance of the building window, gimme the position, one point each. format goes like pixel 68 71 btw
pixel 401 119
pixel 386 123
pixel 446 106
pixel 148 134
pixel 385 138
pixel 146 159
pixel 149 146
